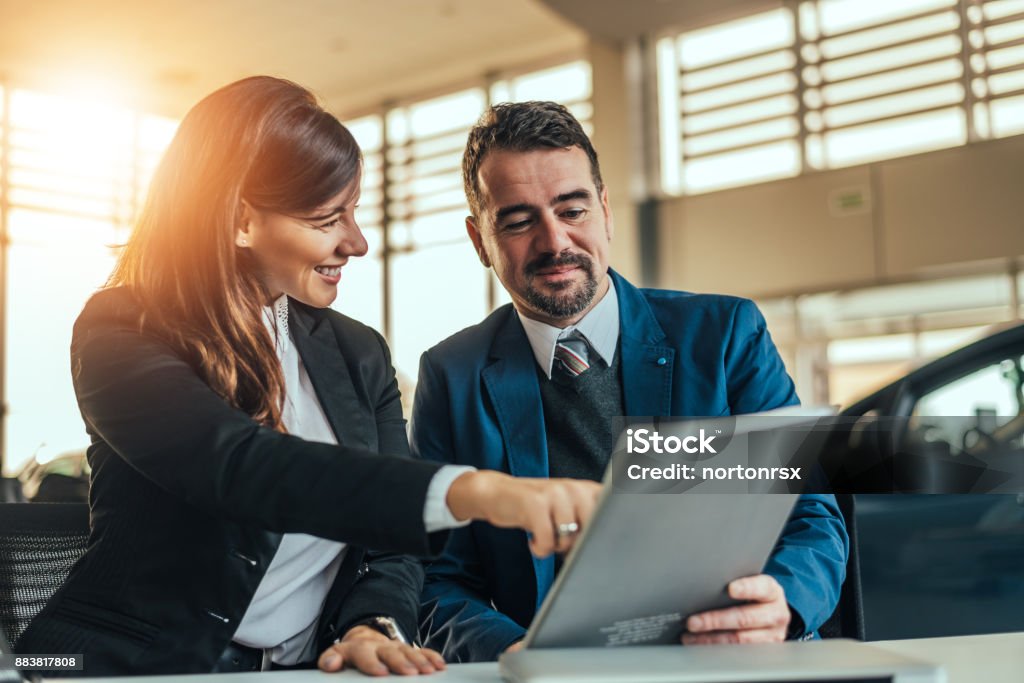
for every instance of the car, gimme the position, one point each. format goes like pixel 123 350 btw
pixel 942 564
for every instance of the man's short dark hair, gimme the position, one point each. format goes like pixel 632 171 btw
pixel 522 127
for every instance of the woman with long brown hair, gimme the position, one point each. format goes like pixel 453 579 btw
pixel 250 505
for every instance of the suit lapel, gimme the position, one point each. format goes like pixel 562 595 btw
pixel 646 361
pixel 512 385
pixel 318 347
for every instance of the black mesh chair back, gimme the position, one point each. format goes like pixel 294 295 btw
pixel 847 621
pixel 39 543
pixel 10 491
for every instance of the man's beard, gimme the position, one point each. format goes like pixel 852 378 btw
pixel 563 304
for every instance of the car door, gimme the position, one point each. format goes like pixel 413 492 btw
pixel 948 564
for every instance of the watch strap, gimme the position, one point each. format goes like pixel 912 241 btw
pixel 386 625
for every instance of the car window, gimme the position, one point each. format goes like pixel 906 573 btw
pixel 970 407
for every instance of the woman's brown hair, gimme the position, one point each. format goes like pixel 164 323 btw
pixel 263 140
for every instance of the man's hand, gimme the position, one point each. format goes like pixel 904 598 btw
pixel 375 654
pixel 764 620
pixel 515 647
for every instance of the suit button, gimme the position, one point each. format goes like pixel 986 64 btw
pixel 662 361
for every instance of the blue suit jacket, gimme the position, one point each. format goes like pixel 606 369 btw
pixel 478 403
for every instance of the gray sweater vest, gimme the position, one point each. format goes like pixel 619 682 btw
pixel 578 414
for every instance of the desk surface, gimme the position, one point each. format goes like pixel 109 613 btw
pixel 995 658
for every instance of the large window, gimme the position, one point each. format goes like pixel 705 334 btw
pixel 819 84
pixel 822 84
pixel 840 346
pixel 73 176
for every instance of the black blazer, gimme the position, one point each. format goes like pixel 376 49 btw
pixel 189 496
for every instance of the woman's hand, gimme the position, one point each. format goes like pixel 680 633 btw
pixel 375 654
pixel 540 506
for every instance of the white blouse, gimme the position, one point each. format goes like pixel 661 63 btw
pixel 284 611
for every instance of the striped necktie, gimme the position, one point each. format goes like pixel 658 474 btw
pixel 572 354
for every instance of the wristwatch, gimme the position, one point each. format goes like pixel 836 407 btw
pixel 386 625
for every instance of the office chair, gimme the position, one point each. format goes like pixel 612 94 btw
pixel 847 621
pixel 39 542
pixel 10 491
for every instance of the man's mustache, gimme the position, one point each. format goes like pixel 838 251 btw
pixel 563 259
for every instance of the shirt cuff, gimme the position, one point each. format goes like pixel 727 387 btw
pixel 436 515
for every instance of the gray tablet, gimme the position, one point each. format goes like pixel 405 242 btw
pixel 647 561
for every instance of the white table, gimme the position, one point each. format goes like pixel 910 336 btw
pixel 967 659
pixel 995 658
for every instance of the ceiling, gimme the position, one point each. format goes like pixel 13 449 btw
pixel 618 20
pixel 163 55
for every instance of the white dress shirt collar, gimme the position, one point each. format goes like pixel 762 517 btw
pixel 600 327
